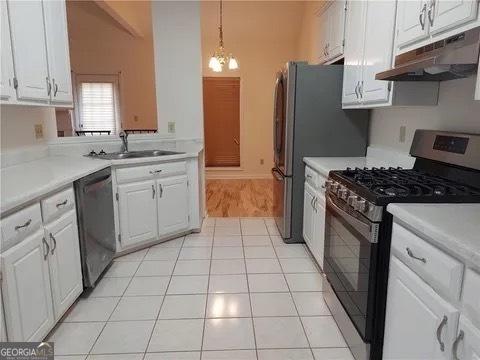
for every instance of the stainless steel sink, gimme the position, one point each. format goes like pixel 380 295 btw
pixel 135 154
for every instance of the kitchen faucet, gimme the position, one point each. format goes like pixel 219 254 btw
pixel 124 136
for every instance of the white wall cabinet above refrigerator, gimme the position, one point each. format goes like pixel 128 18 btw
pixel 420 22
pixel 369 34
pixel 7 90
pixel 38 45
pixel 331 29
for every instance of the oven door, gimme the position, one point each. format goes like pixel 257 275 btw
pixel 350 262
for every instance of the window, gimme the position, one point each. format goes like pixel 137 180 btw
pixel 97 105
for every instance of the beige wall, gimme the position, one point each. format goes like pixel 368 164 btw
pixel 98 45
pixel 263 36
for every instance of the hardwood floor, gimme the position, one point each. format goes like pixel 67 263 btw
pixel 240 198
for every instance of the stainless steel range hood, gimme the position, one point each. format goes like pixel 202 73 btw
pixel 452 58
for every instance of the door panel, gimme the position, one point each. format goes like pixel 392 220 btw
pixel 65 268
pixel 412 23
pixel 336 13
pixel 26 290
pixel 221 105
pixel 138 212
pixel 308 217
pixel 322 28
pixel 452 13
pixel 7 91
pixel 172 205
pixel 58 50
pixel 319 229
pixel 29 49
pixel 413 305
pixel 468 347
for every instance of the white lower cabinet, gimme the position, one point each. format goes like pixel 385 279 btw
pixel 26 289
pixel 419 323
pixel 308 215
pixel 467 343
pixel 137 212
pixel 172 204
pixel 64 261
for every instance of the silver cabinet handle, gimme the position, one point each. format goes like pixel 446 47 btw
pixel 63 203
pixel 161 190
pixel 309 176
pixel 154 172
pixel 45 247
pixel 410 253
pixel 431 12
pixel 439 333
pixel 315 204
pixel 421 16
pixel 326 48
pixel 49 86
pixel 18 227
pixel 153 191
pixel 455 345
pixel 55 88
pixel 356 89
pixel 360 88
pixel 54 243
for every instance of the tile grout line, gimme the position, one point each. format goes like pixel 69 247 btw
pixel 163 301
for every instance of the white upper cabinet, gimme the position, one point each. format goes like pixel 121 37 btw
pixel 7 89
pixel 29 50
pixel 447 14
pixel 354 38
pixel 58 51
pixel 419 324
pixel 321 28
pixel 64 261
pixel 26 289
pixel 378 50
pixel 172 204
pixel 330 27
pixel 412 21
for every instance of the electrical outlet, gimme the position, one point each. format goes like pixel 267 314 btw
pixel 38 131
pixel 401 135
pixel 171 127
pixel 262 161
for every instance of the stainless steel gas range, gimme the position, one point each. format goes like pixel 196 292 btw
pixel 357 238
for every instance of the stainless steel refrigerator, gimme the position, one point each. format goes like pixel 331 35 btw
pixel 309 121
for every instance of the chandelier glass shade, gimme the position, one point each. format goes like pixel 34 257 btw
pixel 220 58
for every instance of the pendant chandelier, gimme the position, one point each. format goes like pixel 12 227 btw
pixel 219 59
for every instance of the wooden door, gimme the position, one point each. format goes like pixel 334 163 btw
pixel 26 289
pixel 65 267
pixel 221 107
pixel 172 204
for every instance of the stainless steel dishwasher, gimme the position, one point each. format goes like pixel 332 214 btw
pixel 96 224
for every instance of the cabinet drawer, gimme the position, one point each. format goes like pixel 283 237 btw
pixel 16 226
pixel 150 171
pixel 314 179
pixel 471 296
pixel 58 204
pixel 441 271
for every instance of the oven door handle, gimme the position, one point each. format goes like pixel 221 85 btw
pixel 367 229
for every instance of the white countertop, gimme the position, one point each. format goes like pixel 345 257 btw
pixel 29 181
pixel 454 228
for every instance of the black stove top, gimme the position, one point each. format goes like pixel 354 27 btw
pixel 382 186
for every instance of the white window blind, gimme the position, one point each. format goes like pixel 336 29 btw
pixel 97 106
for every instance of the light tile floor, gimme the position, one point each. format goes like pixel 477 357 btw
pixel 234 291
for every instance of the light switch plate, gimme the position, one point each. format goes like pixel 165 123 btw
pixel 171 127
pixel 38 131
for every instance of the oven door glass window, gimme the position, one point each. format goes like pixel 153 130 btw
pixel 348 267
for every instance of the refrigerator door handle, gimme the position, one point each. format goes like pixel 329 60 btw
pixel 277 174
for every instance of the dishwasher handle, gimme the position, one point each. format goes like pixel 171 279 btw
pixel 97 184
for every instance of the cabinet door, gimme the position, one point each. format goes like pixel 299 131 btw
pixel 468 343
pixel 308 216
pixel 65 268
pixel 412 22
pixel 172 204
pixel 26 290
pixel 7 91
pixel 321 28
pixel 354 39
pixel 336 24
pixel 29 49
pixel 448 14
pixel 415 327
pixel 378 49
pixel 137 205
pixel 319 229
pixel 58 50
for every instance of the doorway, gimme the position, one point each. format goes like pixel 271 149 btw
pixel 221 106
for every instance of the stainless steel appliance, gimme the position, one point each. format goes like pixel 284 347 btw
pixel 357 240
pixel 96 225
pixel 452 58
pixel 309 121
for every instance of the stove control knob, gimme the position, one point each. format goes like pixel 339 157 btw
pixel 362 205
pixel 334 187
pixel 352 200
pixel 327 185
pixel 342 193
